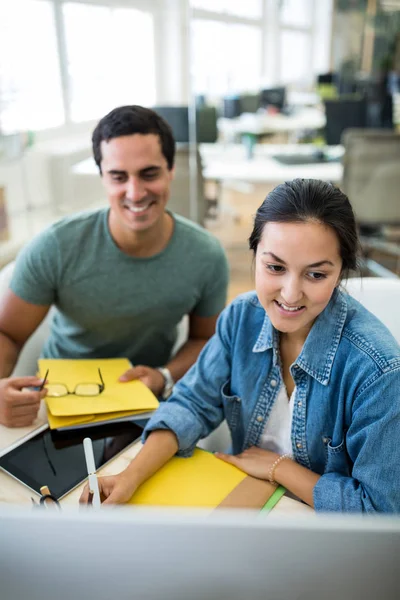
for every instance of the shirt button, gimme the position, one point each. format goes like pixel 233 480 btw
pixel 300 403
pixel 273 382
pixel 260 418
pixel 298 445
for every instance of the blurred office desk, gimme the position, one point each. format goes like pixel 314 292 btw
pixel 223 162
pixel 264 123
pixel 12 491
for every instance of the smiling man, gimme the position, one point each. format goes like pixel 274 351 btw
pixel 121 278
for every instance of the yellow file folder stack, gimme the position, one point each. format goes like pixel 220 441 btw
pixel 204 481
pixel 119 401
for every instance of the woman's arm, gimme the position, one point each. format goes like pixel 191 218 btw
pixel 160 446
pixel 263 465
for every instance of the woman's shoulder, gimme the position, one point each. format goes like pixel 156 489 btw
pixel 368 335
pixel 244 312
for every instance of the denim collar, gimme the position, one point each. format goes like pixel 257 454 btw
pixel 326 332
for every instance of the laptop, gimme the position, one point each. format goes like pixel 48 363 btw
pixel 128 553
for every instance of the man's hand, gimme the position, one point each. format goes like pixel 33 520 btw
pixel 253 461
pixel 114 489
pixel 150 377
pixel 19 406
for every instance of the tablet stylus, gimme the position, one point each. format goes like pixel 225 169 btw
pixel 91 469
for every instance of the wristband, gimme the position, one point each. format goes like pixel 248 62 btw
pixel 271 472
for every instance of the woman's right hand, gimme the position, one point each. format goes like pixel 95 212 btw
pixel 114 489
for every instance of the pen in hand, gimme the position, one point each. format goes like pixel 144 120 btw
pixel 94 493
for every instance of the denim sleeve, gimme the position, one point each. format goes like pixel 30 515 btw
pixel 195 407
pixel 373 447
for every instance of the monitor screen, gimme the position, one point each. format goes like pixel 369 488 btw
pixel 273 97
pixel 126 553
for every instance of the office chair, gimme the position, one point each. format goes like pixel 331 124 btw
pixel 231 107
pixel 371 176
pixel 343 113
pixel 206 124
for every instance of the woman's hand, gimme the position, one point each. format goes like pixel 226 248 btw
pixel 253 461
pixel 114 489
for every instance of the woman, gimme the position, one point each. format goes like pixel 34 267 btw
pixel 307 379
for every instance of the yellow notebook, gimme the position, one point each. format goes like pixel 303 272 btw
pixel 117 401
pixel 202 481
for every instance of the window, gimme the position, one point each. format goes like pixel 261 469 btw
pixel 110 58
pixel 296 13
pixel 250 9
pixel 231 63
pixel 30 84
pixel 295 48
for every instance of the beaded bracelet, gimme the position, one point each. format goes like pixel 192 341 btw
pixel 271 472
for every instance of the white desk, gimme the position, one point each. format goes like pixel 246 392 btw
pixel 11 491
pixel 264 123
pixel 223 162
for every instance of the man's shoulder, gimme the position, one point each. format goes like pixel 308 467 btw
pixel 78 222
pixel 188 231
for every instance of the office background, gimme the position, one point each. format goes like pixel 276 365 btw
pixel 64 64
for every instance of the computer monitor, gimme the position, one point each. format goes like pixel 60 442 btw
pixel 177 118
pixel 325 78
pixel 126 553
pixel 273 97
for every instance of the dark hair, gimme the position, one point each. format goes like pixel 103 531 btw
pixel 128 120
pixel 303 200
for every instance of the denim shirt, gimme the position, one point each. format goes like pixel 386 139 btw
pixel 346 418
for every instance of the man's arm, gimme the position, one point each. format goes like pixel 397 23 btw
pixel 201 329
pixel 18 320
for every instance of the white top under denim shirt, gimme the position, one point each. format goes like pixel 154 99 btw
pixel 346 418
pixel 277 434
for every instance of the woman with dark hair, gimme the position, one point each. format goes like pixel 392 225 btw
pixel 307 379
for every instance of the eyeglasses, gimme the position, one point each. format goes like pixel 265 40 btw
pixel 57 390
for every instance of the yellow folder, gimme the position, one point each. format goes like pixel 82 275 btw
pixel 203 480
pixel 117 401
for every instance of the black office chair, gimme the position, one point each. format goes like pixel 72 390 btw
pixel 343 113
pixel 231 107
pixel 206 125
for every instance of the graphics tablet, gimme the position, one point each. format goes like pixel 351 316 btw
pixel 57 459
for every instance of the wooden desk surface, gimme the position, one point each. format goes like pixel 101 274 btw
pixel 11 491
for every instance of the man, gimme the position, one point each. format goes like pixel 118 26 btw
pixel 120 278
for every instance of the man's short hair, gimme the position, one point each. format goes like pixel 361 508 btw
pixel 128 120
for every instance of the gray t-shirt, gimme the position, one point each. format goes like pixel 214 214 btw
pixel 109 304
